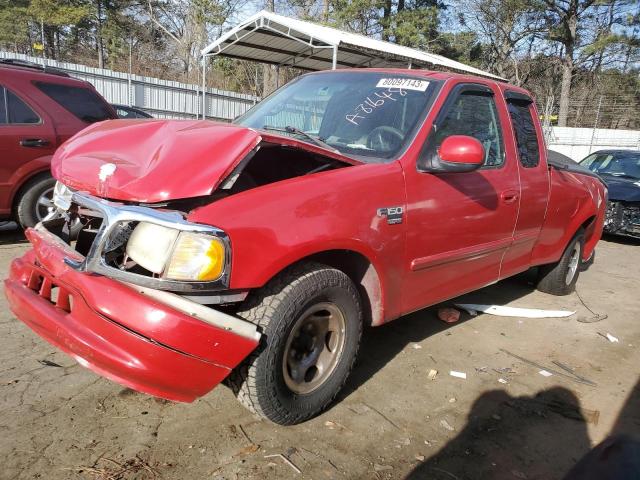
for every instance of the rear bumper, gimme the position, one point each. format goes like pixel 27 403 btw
pixel 119 333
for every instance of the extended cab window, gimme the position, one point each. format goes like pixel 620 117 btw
pixel 84 103
pixel 14 110
pixel 474 113
pixel 525 130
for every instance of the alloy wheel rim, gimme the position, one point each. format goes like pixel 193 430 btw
pixel 314 347
pixel 574 260
pixel 44 205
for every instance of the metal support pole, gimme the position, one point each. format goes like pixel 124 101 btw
pixel 204 87
pixel 335 58
pixel 277 76
pixel 410 65
pixel 130 103
pixel 595 125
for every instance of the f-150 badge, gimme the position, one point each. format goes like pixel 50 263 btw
pixel 393 214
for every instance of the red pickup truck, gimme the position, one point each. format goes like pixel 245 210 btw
pixel 257 251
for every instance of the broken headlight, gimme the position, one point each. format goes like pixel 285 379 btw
pixel 62 196
pixel 175 254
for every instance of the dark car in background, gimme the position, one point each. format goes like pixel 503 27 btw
pixel 620 169
pixel 40 108
pixel 125 111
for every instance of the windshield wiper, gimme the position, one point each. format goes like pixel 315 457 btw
pixel 289 129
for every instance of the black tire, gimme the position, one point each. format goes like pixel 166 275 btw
pixel 26 206
pixel 278 308
pixel 556 278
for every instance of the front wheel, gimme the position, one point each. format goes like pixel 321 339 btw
pixel 560 278
pixel 311 320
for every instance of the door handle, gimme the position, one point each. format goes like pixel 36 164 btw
pixel 509 196
pixel 34 142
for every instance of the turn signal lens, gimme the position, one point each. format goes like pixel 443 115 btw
pixel 196 257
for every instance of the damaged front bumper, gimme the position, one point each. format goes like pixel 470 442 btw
pixel 622 218
pixel 152 341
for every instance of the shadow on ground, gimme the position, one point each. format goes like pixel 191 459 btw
pixel 513 437
pixel 381 344
pixel 540 437
pixel 11 234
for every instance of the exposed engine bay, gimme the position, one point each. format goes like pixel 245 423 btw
pixel 622 218
pixel 153 245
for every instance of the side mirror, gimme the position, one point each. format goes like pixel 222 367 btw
pixel 457 153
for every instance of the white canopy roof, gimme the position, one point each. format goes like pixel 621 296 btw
pixel 270 38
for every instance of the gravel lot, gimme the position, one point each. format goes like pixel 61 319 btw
pixel 63 422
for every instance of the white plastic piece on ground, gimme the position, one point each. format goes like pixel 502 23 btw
pixel 458 374
pixel 514 311
pixel 205 314
pixel 502 380
pixel 544 373
pixel 612 339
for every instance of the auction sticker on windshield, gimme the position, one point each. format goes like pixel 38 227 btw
pixel 403 82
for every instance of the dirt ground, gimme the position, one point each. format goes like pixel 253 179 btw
pixel 60 421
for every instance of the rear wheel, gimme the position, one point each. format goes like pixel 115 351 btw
pixel 311 320
pixel 560 278
pixel 35 201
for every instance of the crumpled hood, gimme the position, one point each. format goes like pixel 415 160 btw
pixel 622 189
pixel 152 160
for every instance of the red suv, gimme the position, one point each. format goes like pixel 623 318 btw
pixel 40 108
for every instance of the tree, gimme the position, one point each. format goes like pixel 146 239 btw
pixel 505 26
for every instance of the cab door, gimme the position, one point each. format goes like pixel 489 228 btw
pixel 459 225
pixel 26 135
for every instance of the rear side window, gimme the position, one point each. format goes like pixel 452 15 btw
pixel 475 114
pixel 525 130
pixel 14 110
pixel 84 103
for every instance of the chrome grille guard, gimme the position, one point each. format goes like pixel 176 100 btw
pixel 114 216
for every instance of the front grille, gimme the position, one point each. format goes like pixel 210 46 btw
pixel 99 230
pixel 47 289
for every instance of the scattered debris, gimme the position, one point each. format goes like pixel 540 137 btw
pixel 381 468
pixel 453 373
pixel 502 380
pixel 132 466
pixel 334 425
pixel 416 346
pixel 482 369
pixel 596 317
pixel 495 416
pixel 420 458
pixel 544 373
pixel 285 460
pixel 506 370
pixel 609 337
pixel 432 374
pixel 519 474
pixel 48 363
pixel 569 375
pixel 514 311
pixel 248 449
pixel 452 400
pixel 447 425
pixel 448 314
pixel 569 410
pixel 569 370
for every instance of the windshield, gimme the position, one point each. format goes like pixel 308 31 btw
pixel 368 115
pixel 617 164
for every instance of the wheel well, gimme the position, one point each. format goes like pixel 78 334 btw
pixel 588 227
pixel 25 184
pixel 363 274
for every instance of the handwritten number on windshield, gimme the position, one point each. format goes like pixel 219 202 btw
pixel 369 104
